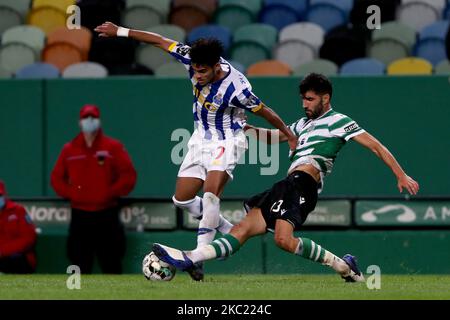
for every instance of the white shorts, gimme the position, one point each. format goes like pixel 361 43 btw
pixel 207 155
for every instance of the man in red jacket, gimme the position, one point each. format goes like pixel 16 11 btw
pixel 93 171
pixel 17 237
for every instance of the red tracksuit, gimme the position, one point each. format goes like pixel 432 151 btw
pixel 17 233
pixel 93 178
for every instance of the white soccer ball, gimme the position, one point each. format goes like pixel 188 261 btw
pixel 157 270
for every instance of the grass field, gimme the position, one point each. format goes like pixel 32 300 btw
pixel 227 287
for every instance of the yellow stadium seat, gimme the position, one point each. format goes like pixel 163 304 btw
pixel 47 18
pixel 269 68
pixel 59 4
pixel 411 66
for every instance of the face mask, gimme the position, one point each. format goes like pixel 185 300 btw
pixel 2 202
pixel 89 125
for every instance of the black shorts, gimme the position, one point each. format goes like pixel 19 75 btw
pixel 290 199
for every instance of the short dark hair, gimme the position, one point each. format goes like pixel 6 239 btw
pixel 206 51
pixel 316 82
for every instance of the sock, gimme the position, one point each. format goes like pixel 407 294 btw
pixel 195 208
pixel 210 219
pixel 219 248
pixel 310 250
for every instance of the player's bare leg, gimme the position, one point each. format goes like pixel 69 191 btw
pixel 308 249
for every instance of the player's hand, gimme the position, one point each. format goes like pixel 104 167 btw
pixel 408 183
pixel 292 140
pixel 107 29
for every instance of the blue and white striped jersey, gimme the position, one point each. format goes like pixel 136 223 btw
pixel 219 107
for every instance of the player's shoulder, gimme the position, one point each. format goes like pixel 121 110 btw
pixel 240 82
pixel 335 117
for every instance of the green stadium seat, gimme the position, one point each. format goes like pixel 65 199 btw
pixel 153 57
pixel 397 31
pixel 160 6
pixel 31 36
pixel 443 67
pixel 14 56
pixel 387 50
pixel 258 33
pixel 5 74
pixel 9 18
pixel 21 6
pixel 325 67
pixel 247 53
pixel 234 14
pixel 142 17
pixel 171 69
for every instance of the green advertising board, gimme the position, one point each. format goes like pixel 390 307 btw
pixel 402 213
pixel 55 215
pixel 326 213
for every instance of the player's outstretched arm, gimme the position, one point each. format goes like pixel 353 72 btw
pixel 109 29
pixel 403 180
pixel 282 134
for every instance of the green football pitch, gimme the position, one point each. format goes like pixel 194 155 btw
pixel 227 287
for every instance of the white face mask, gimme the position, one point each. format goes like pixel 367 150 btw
pixel 90 124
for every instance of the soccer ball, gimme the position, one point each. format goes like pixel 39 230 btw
pixel 157 270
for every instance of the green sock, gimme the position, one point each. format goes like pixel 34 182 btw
pixel 226 246
pixel 310 250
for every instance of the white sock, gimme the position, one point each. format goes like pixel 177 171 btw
pixel 224 225
pixel 336 263
pixel 210 220
pixel 202 253
pixel 193 206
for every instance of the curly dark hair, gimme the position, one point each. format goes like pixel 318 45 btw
pixel 316 82
pixel 206 51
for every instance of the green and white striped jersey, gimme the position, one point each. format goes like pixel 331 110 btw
pixel 319 140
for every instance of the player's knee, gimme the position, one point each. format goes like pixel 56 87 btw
pixel 283 241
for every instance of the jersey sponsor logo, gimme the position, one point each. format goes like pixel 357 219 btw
pixel 351 127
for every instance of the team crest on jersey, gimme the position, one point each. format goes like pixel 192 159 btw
pixel 218 99
pixel 210 107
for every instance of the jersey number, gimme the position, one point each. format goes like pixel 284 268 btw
pixel 278 206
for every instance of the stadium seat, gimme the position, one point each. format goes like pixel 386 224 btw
pixel 343 44
pixel 344 5
pixel 171 69
pixel 188 17
pixel 253 43
pixel 269 68
pixel 410 66
pixel 129 69
pixel 85 70
pixel 95 12
pixel 142 17
pixel 294 52
pixel 308 32
pixel 208 6
pixel 61 54
pixel 397 31
pixel 28 35
pixel 20 6
pixel 417 14
pixel 326 15
pixel 47 18
pixel 437 30
pixel 278 15
pixel 58 4
pixel 80 38
pixel 431 42
pixel 211 30
pixel 38 70
pixel 234 14
pixel 387 50
pixel 169 31
pixel 9 18
pixel 160 6
pixel 363 66
pixel 439 5
pixel 14 56
pixel 325 67
pixel 443 67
